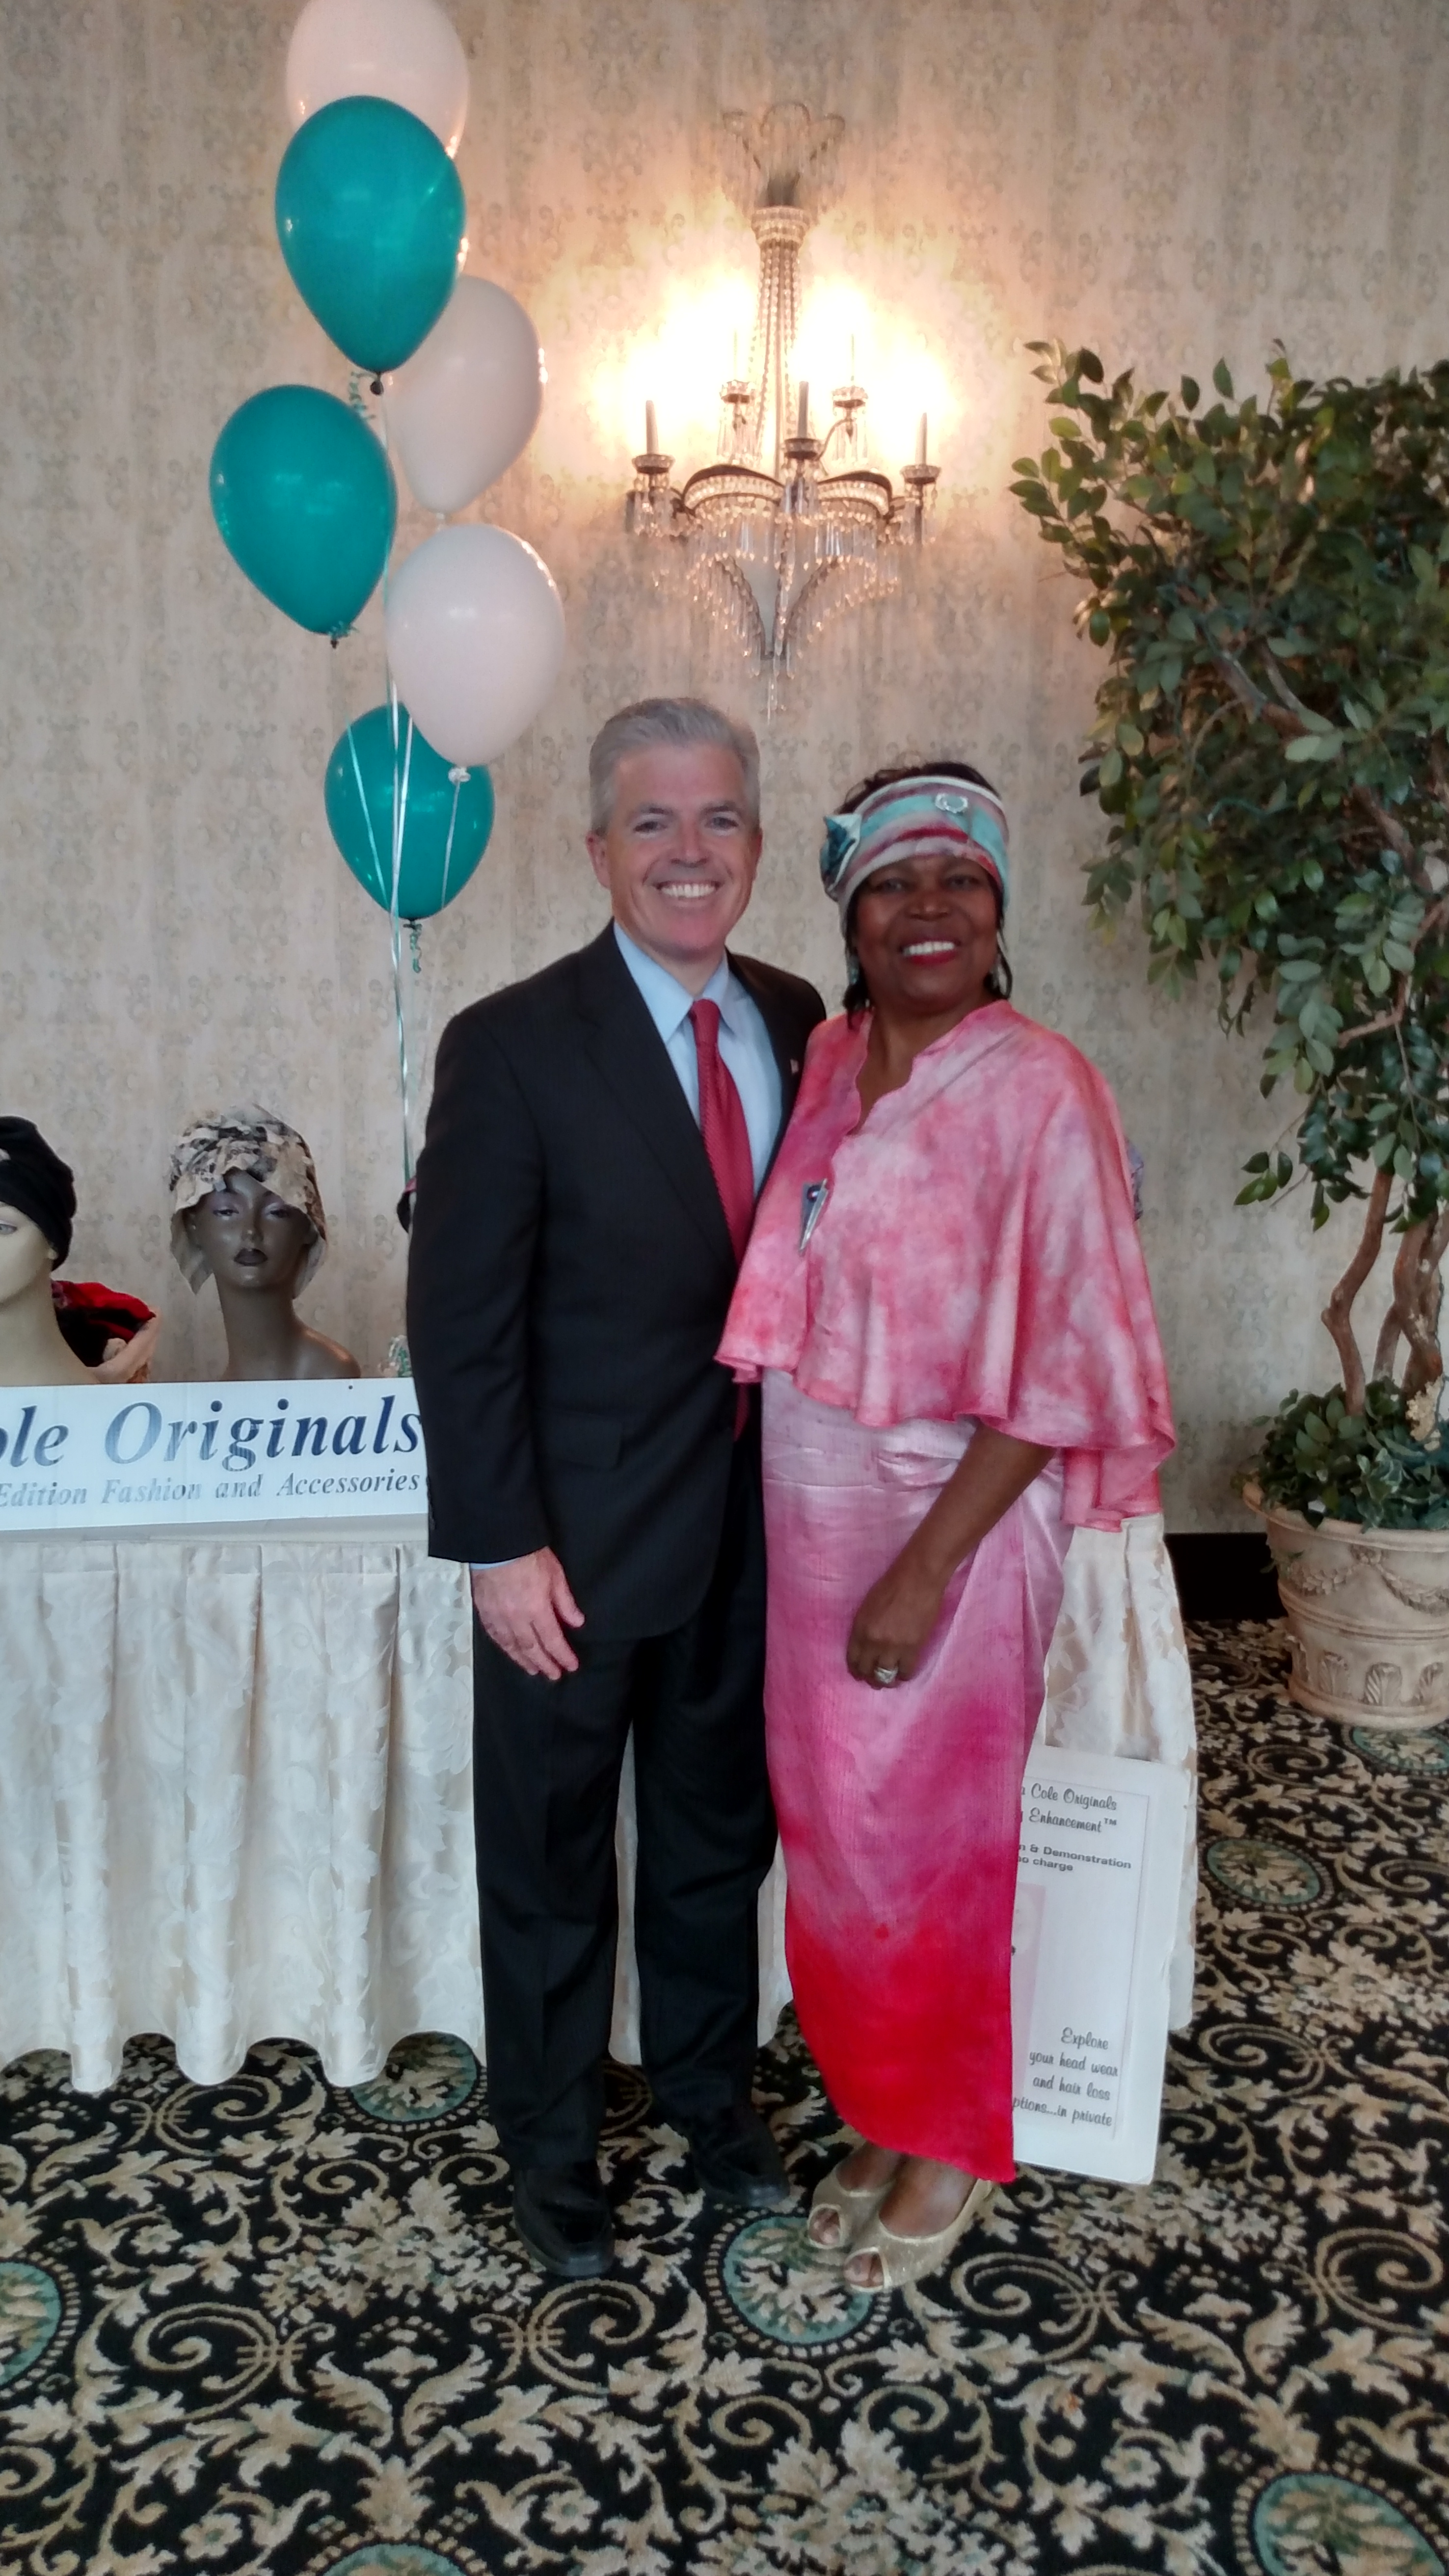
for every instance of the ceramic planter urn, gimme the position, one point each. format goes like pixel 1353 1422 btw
pixel 1368 1619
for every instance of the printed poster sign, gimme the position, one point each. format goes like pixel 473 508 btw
pixel 1102 1844
pixel 209 1456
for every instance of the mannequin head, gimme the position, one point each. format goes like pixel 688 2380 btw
pixel 36 1183
pixel 247 1212
pixel 252 1240
pixel 37 1207
pixel 25 1255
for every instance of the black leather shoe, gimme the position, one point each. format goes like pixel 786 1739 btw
pixel 736 2161
pixel 564 2219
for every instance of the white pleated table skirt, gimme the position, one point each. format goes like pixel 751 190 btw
pixel 236 1790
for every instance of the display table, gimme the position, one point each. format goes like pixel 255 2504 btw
pixel 236 1795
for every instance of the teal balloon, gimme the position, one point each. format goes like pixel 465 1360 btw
pixel 366 781
pixel 370 215
pixel 304 498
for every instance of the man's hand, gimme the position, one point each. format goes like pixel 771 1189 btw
pixel 520 1607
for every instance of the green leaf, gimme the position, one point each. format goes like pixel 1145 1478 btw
pixel 1099 626
pixel 1222 380
pixel 1314 746
pixel 1130 738
pixel 1111 770
pixel 1190 392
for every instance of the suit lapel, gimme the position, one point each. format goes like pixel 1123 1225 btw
pixel 787 1044
pixel 631 1057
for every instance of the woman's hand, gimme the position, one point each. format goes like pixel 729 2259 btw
pixel 894 1621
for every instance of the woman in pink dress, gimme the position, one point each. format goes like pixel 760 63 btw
pixel 945 1297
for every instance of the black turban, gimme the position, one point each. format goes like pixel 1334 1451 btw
pixel 35 1180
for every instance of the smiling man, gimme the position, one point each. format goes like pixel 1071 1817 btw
pixel 597 1139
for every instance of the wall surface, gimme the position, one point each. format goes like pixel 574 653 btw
pixel 1169 183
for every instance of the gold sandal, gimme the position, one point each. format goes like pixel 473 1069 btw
pixel 854 2209
pixel 903 2259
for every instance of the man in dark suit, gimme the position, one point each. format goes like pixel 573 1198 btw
pixel 596 1140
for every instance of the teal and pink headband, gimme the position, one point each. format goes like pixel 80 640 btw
pixel 906 819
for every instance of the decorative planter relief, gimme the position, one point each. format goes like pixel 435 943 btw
pixel 1368 1618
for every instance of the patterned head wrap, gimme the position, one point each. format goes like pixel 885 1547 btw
pixel 906 818
pixel 36 1183
pixel 247 1140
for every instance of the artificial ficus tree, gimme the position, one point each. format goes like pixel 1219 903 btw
pixel 1271 584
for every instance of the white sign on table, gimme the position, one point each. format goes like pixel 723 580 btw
pixel 1098 1885
pixel 209 1455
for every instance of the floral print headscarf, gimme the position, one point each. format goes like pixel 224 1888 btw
pixel 247 1140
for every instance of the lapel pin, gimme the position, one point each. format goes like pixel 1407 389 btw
pixel 812 1208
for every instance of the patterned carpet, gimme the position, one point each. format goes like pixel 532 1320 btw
pixel 277 2327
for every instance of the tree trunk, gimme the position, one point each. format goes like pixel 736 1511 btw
pixel 1337 1314
pixel 1414 1313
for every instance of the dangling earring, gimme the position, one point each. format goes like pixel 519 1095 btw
pixel 998 982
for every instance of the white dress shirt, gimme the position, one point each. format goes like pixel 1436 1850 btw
pixel 744 1043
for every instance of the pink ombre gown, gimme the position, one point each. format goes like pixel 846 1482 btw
pixel 976 1261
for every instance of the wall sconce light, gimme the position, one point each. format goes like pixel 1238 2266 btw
pixel 783 529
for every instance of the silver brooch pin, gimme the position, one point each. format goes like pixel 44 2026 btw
pixel 812 1208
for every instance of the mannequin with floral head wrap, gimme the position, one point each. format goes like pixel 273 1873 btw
pixel 246 1211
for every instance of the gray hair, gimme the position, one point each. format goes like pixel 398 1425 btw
pixel 667 721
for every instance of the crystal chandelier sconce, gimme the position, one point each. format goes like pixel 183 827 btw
pixel 783 529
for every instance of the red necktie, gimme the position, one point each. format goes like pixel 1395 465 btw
pixel 722 1125
pixel 727 1143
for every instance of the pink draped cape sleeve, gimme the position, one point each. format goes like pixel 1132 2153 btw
pixel 977 1256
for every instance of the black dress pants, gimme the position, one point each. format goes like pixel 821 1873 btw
pixel 547 1758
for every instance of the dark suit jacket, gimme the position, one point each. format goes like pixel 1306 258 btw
pixel 569 1275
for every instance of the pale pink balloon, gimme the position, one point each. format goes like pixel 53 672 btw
pixel 405 50
pixel 475 638
pixel 467 402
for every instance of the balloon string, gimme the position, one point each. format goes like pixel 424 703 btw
pixel 381 872
pixel 459 778
pixel 381 881
pixel 387 558
pixel 399 820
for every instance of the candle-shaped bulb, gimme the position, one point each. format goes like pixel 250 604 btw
pixel 651 431
pixel 802 414
pixel 921 441
pixel 735 357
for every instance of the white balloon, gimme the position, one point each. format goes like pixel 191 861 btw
pixel 407 50
pixel 475 637
pixel 467 401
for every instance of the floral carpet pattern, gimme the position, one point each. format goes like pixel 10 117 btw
pixel 272 2326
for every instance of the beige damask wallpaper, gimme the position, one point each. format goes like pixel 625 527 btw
pixel 1170 181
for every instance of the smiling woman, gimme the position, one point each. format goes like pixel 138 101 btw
pixel 946 1300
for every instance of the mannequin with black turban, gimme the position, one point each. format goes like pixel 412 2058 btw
pixel 37 1211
